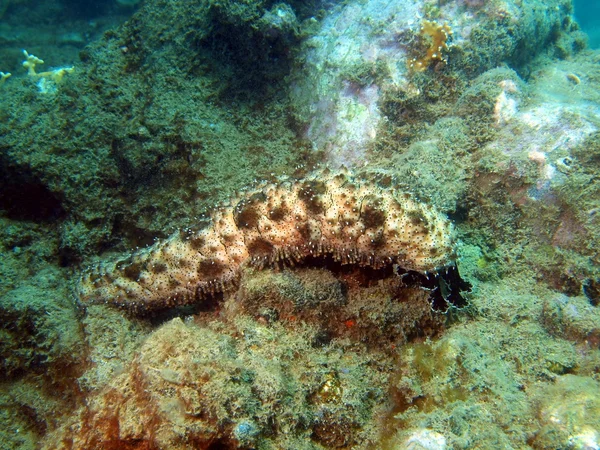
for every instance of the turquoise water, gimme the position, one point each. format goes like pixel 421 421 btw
pixel 587 13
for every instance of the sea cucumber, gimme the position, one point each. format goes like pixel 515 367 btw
pixel 325 214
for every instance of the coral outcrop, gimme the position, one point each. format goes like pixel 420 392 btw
pixel 325 214
pixel 397 44
pixel 252 386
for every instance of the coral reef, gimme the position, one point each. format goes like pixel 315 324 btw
pixel 325 214
pixel 320 311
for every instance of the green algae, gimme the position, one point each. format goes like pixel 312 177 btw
pixel 39 328
pixel 448 385
pixel 136 154
pixel 364 73
pixel 416 169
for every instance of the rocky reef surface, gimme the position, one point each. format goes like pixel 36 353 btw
pixel 473 126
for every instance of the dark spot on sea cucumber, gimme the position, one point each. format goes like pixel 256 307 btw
pixel 247 217
pixel 418 218
pixel 245 213
pixel 385 181
pixel 197 242
pixel 210 268
pixel 228 238
pixel 278 214
pixel 378 241
pixel 94 277
pixel 158 267
pixel 372 217
pixel 310 193
pixel 132 270
pixel 183 263
pixel 304 230
pixel 260 247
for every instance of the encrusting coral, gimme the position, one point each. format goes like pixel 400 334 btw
pixel 438 37
pixel 324 214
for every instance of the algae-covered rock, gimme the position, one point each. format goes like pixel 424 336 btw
pixel 365 306
pixel 241 384
pixel 568 414
pixel 112 340
pixel 150 118
pixel 40 329
pixel 343 116
pixel 572 318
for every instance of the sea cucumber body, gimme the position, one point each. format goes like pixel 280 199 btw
pixel 326 214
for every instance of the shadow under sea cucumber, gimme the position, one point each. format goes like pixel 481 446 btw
pixel 325 214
